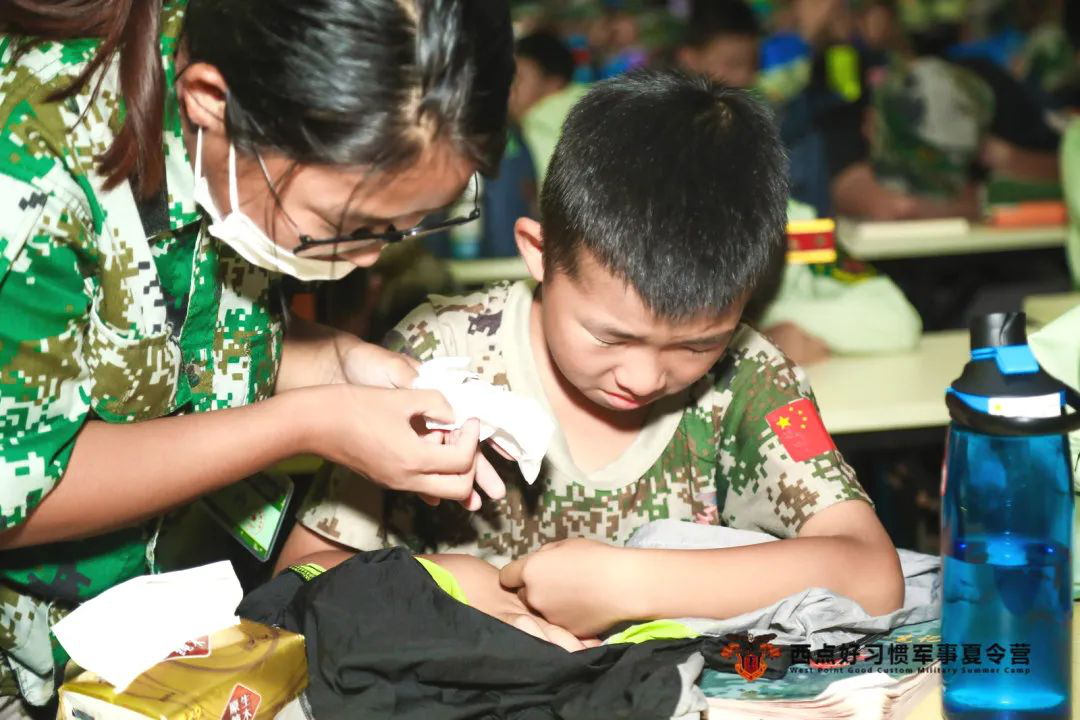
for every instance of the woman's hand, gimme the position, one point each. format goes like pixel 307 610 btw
pixel 375 366
pixel 319 355
pixel 368 364
pixel 380 434
pixel 480 582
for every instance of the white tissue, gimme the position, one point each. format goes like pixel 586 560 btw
pixel 128 629
pixel 517 424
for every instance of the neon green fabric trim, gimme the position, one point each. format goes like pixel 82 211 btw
pixel 444 579
pixel 842 70
pixel 654 630
pixel 309 571
pixel 1057 348
pixel 1070 181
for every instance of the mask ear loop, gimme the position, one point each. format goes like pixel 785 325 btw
pixel 198 153
pixel 234 193
pixel 286 313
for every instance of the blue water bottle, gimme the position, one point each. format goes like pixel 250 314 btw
pixel 1006 533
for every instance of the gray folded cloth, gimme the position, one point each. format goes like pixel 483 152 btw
pixel 815 616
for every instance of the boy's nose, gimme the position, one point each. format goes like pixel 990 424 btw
pixel 641 379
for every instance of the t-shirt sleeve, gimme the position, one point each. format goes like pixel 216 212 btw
pixel 777 466
pixel 420 336
pixel 44 301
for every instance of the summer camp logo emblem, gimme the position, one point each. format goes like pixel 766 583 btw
pixel 751 656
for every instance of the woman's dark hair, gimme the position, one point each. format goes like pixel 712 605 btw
pixel 325 82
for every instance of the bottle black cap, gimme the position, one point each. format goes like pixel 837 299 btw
pixel 983 377
pixel 998 330
pixel 986 377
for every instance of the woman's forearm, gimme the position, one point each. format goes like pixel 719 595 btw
pixel 120 475
pixel 312 354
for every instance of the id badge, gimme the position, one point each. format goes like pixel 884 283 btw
pixel 253 510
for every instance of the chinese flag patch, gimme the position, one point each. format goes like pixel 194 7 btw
pixel 800 430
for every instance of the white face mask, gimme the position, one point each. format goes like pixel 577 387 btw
pixel 243 235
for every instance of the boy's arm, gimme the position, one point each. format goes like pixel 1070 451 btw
pixel 303 546
pixel 1014 161
pixel 587 586
pixel 479 581
pixel 856 192
pixel 847 311
pixel 777 472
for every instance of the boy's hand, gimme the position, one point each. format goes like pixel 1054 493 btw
pixel 582 585
pixel 480 583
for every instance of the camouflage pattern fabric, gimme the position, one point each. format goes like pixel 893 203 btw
pixel 97 320
pixel 1048 60
pixel 931 118
pixel 707 455
pixel 922 15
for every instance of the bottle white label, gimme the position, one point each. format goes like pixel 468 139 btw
pixel 1040 406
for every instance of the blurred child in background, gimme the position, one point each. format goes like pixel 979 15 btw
pixel 723 42
pixel 809 311
pixel 543 93
pixel 931 129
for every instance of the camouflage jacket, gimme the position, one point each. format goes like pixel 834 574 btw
pixel 98 320
pixel 931 118
pixel 708 454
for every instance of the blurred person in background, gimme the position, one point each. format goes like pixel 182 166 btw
pixel 722 41
pixel 932 130
pixel 809 311
pixel 542 94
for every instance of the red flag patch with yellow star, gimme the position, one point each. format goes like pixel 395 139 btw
pixel 800 430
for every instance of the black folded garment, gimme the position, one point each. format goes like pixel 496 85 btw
pixel 383 640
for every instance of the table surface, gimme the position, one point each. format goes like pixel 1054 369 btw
pixel 930 708
pixel 1043 309
pixel 486 270
pixel 979 239
pixel 890 392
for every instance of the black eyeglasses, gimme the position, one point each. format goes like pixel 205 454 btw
pixel 364 238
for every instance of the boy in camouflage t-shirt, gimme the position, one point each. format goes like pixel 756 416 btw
pixel 667 406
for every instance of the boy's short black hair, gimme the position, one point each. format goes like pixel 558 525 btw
pixel 547 50
pixel 672 182
pixel 710 19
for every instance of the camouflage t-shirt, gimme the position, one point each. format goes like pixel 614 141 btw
pixel 931 118
pixel 101 317
pixel 707 454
